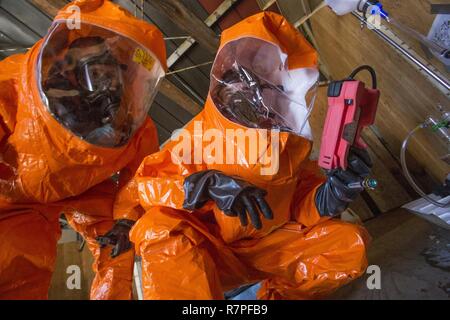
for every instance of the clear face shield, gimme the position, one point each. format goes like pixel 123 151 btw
pixel 251 85
pixel 97 83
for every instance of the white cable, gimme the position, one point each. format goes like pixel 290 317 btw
pixel 407 173
pixel 177 38
pixel 189 68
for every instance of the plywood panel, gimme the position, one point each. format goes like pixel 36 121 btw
pixel 15 30
pixel 28 14
pixel 407 97
pixel 407 260
pixel 241 10
pixel 196 79
pixel 180 15
pixel 229 19
pixel 417 15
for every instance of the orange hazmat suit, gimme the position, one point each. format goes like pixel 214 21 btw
pixel 202 253
pixel 49 166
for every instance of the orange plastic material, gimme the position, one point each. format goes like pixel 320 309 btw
pixel 46 170
pixel 113 276
pixel 28 235
pixel 201 254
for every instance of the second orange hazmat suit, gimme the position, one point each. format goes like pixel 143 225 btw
pixel 203 253
pixel 46 169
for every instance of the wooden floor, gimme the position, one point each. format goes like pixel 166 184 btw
pixel 69 255
pixel 413 255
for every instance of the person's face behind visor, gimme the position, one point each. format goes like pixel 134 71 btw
pixel 251 86
pixel 96 83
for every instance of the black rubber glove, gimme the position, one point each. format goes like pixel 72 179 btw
pixel 235 197
pixel 118 237
pixel 334 196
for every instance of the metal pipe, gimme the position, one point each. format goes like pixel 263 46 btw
pixel 407 174
pixel 443 82
pixel 12 49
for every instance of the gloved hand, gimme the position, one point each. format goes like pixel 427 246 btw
pixel 118 237
pixel 235 197
pixel 334 196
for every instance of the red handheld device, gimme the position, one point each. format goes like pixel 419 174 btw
pixel 351 108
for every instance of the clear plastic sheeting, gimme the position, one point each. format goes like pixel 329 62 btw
pixel 251 85
pixel 89 78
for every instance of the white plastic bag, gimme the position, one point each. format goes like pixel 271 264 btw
pixel 341 7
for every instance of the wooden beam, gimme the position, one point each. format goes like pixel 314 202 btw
pixel 68 255
pixel 361 209
pixel 50 7
pixel 306 6
pixel 175 94
pixel 390 193
pixel 186 20
pixel 307 29
pixel 416 15
pixel 265 4
pixel 302 20
pixel 212 19
pixel 422 64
